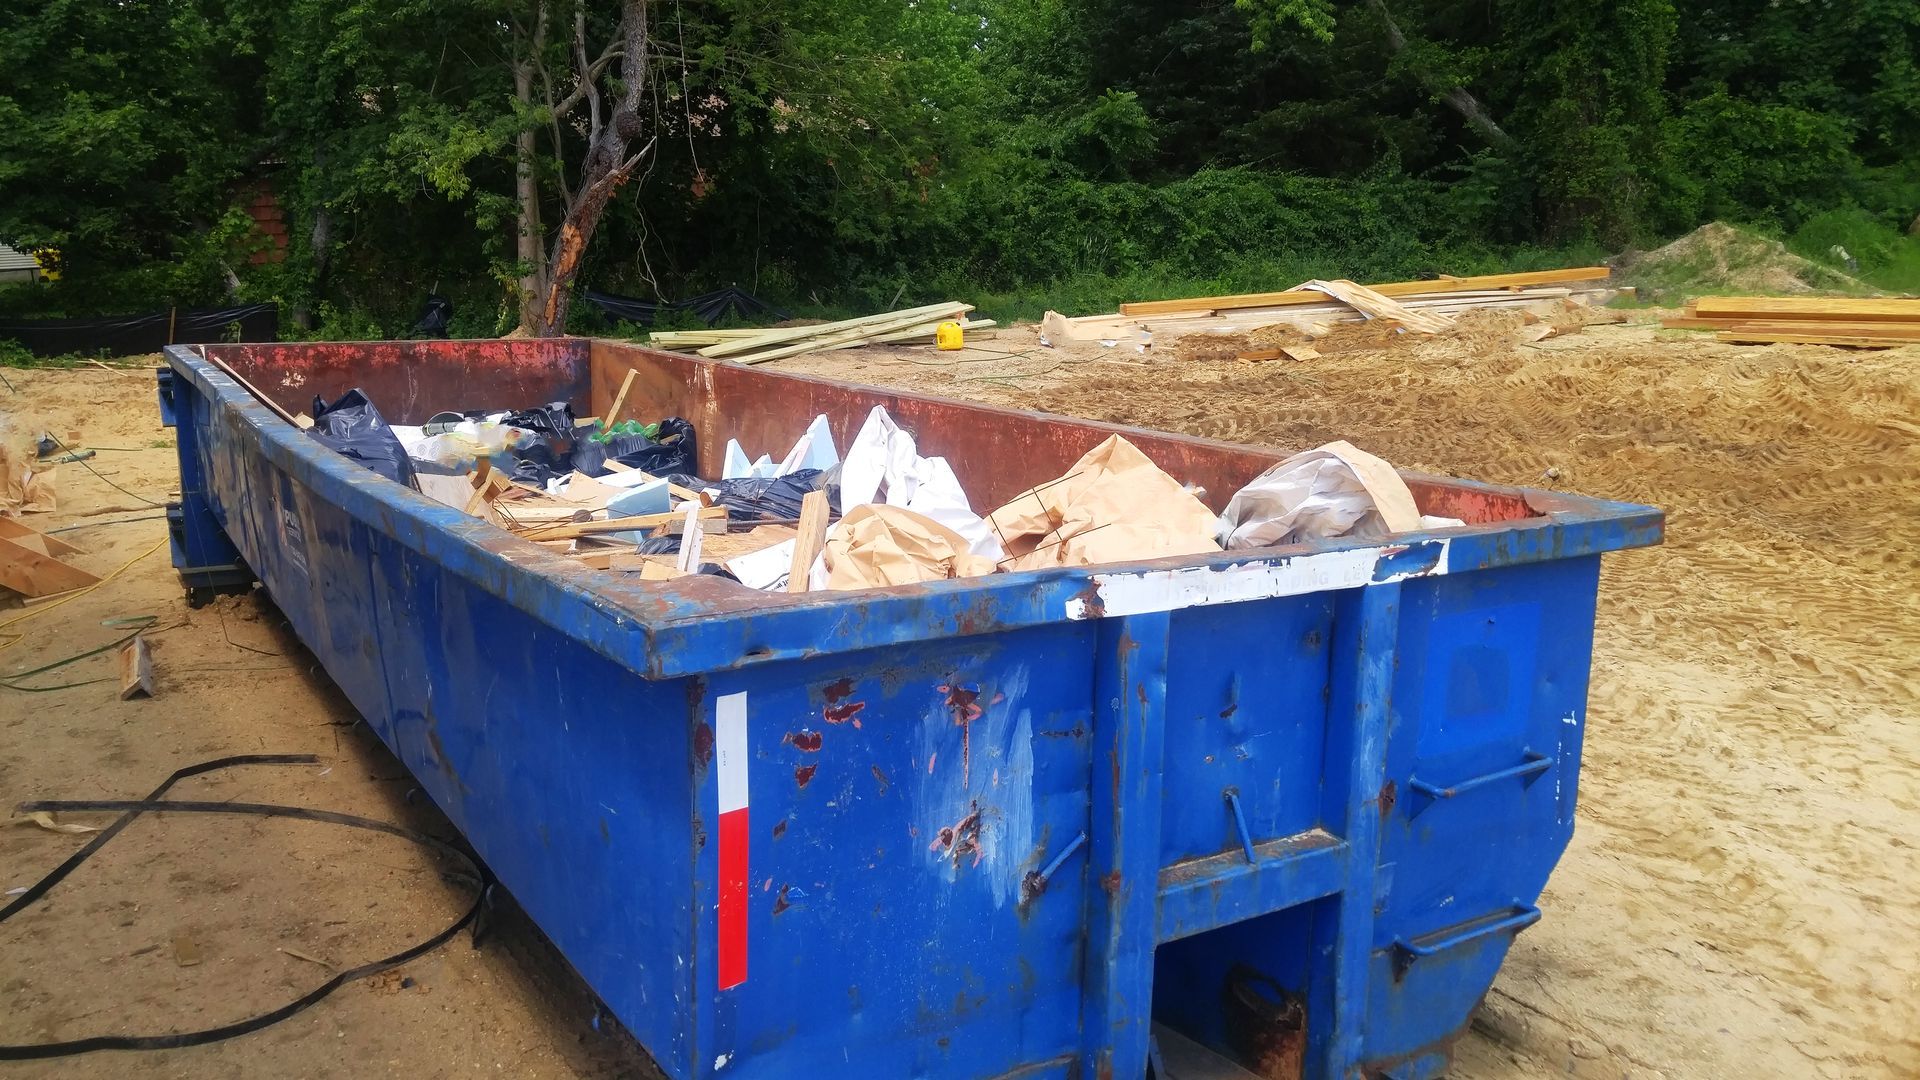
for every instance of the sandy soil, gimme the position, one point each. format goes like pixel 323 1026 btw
pixel 1742 897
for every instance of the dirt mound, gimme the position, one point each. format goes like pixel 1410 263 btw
pixel 1717 257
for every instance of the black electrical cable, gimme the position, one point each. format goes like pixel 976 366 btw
pixel 133 808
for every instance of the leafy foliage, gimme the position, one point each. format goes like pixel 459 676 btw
pixel 842 154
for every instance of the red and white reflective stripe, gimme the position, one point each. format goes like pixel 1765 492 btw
pixel 730 772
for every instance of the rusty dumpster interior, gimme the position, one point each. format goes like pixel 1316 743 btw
pixel 995 453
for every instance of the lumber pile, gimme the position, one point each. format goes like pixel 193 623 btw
pixel 908 326
pixel 1419 307
pixel 1805 320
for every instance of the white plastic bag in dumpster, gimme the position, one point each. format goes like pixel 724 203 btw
pixel 1334 490
pixel 884 455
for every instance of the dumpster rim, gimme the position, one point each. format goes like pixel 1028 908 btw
pixel 700 624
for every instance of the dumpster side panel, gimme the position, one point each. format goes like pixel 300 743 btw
pixel 1247 716
pixel 892 815
pixel 1484 751
pixel 568 773
pixel 411 380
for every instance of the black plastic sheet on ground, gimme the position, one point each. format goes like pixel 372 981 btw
pixel 711 307
pixel 127 335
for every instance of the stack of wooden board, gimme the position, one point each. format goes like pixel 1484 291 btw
pixel 1427 305
pixel 759 346
pixel 1807 320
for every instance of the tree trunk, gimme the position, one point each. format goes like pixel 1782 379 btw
pixel 322 247
pixel 607 168
pixel 531 247
pixel 1457 97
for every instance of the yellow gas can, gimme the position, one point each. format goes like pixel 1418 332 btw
pixel 948 336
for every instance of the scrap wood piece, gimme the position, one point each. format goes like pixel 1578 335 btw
pixel 1375 305
pixel 810 539
pixel 136 669
pixel 619 400
pixel 46 543
pixel 36 573
pixel 690 537
pixel 1393 289
pixel 708 517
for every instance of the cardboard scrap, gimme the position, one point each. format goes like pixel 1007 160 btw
pixel 1113 505
pixel 877 544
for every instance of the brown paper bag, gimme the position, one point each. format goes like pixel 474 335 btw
pixel 1113 505
pixel 876 545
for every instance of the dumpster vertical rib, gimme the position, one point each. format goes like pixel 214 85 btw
pixel 1130 708
pixel 1366 639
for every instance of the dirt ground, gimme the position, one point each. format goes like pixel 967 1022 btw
pixel 1742 896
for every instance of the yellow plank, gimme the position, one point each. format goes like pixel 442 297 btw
pixel 1393 288
pixel 1796 308
pixel 1739 338
pixel 1823 328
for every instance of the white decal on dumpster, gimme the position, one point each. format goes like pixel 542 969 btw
pixel 1200 586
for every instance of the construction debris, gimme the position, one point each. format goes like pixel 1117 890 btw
pixel 1335 490
pixel 35 564
pixel 1805 320
pixel 910 325
pixel 1314 308
pixel 1113 505
pixel 136 669
pixel 877 545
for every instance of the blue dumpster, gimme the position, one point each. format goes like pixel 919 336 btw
pixel 1293 805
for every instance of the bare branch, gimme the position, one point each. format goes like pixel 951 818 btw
pixel 1457 97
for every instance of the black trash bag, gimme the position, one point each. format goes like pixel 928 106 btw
pixel 673 451
pixel 553 422
pixel 354 428
pixel 435 317
pixel 774 498
pixel 668 544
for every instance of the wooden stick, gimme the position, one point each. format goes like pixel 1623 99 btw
pixel 690 537
pixel 1394 288
pixel 814 512
pixel 251 389
pixel 707 515
pixel 136 669
pixel 620 399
